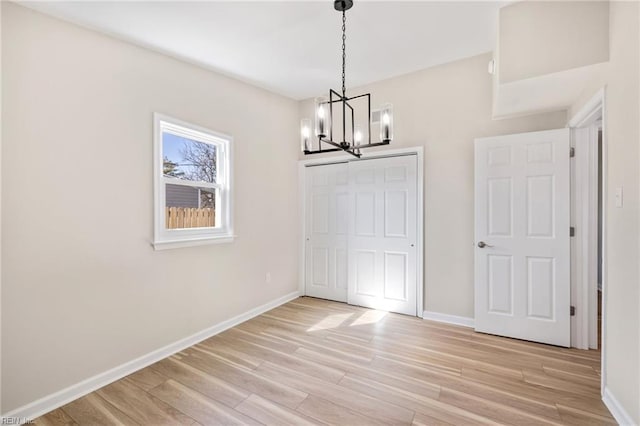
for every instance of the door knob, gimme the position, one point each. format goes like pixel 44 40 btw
pixel 482 244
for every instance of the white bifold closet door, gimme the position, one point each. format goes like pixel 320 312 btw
pixel 382 234
pixel 361 232
pixel 327 199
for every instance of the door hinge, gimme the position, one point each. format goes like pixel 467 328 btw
pixel 572 311
pixel 572 152
pixel 572 231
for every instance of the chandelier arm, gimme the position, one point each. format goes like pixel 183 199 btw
pixel 330 142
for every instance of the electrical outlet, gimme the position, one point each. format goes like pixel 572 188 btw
pixel 267 277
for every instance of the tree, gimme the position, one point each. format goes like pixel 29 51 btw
pixel 170 168
pixel 200 159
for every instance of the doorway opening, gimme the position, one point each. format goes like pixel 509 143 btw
pixel 588 250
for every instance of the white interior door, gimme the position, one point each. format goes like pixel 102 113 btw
pixel 382 234
pixel 327 197
pixel 522 213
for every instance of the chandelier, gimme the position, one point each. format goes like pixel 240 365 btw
pixel 350 137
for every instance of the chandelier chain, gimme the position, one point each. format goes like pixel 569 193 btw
pixel 344 52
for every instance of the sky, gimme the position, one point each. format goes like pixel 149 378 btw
pixel 171 146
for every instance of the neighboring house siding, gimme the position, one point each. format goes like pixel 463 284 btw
pixel 181 196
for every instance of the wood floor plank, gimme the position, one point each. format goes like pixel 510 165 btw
pixel 271 389
pixel 575 417
pixel 410 397
pixel 335 414
pixel 571 367
pixel 590 378
pixel 57 417
pixel 258 337
pixel 268 353
pixel 543 379
pixel 423 420
pixel 198 380
pixel 320 344
pixel 141 406
pixel 271 413
pixel 92 409
pixel 494 360
pixel 199 407
pixel 587 406
pixel 340 395
pixel 437 380
pixel 312 361
pixel 221 347
pixel 430 405
pixel 502 413
pixel 412 400
pixel 400 349
pixel 147 378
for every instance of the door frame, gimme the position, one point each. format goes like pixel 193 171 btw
pixel 418 151
pixel 593 110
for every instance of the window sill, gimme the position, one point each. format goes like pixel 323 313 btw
pixel 193 242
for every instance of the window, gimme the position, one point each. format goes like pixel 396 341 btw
pixel 192 185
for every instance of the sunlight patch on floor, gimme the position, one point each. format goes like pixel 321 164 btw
pixel 369 317
pixel 332 321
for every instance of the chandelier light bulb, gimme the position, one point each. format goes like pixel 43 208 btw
pixel 323 121
pixel 386 123
pixel 357 136
pixel 357 139
pixel 305 134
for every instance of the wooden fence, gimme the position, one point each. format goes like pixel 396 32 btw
pixel 185 217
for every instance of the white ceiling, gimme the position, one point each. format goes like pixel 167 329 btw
pixel 293 48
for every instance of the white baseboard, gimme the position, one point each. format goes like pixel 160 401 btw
pixel 617 410
pixel 449 319
pixel 73 392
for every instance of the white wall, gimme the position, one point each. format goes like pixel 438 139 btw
pixel 541 37
pixel 83 290
pixel 443 109
pixel 1 211
pixel 622 138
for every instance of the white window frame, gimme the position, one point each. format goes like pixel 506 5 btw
pixel 174 238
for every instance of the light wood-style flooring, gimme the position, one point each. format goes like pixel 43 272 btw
pixel 312 361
